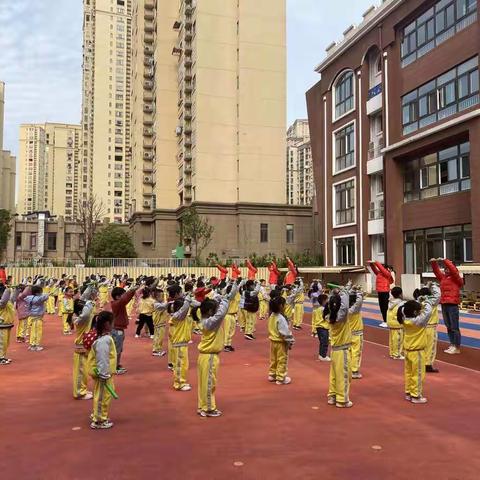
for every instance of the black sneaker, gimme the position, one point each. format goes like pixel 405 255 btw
pixel 121 370
pixel 170 366
pixel 227 348
pixel 431 369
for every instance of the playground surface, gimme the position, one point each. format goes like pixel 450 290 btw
pixel 267 432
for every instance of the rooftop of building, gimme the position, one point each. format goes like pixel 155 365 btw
pixel 371 17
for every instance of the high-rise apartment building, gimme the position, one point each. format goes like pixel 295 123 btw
pixel 208 125
pixel 106 157
pixel 7 164
pixel 300 185
pixel 395 129
pixel 50 175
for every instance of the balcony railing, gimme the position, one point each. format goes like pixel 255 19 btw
pixel 376 214
pixel 375 148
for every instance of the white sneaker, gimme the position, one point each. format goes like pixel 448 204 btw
pixel 157 354
pixel 87 396
pixel 137 336
pixel 453 351
pixel 101 425
pixel 38 348
pixel 163 353
pixel 331 401
pixel 383 325
pixel 271 378
pixel 185 388
pixel 324 359
pixel 344 405
pixel 419 400
pixel 408 397
pixel 357 375
pixel 449 349
pixel 151 336
pixel 285 381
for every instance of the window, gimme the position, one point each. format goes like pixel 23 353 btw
pixel 344 148
pixel 18 240
pixel 452 92
pixel 264 233
pixel 452 242
pixel 344 94
pixel 344 203
pixel 434 26
pixel 68 241
pixel 51 241
pixel 33 241
pixel 439 173
pixel 345 251
pixel 290 233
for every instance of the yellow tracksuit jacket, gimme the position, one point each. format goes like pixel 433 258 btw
pixel 395 335
pixel 281 339
pixel 356 325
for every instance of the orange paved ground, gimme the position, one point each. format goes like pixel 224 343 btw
pixel 277 432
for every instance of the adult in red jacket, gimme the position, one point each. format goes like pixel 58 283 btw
pixel 450 285
pixel 274 274
pixel 235 271
pixel 252 271
pixel 383 280
pixel 223 272
pixel 292 272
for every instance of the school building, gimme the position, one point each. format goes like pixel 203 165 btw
pixel 395 131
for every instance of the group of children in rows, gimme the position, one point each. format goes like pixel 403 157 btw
pixel 185 305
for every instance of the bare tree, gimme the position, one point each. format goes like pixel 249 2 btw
pixel 197 230
pixel 89 216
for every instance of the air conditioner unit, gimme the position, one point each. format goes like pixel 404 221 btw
pixel 178 131
pixel 147 179
pixel 147 203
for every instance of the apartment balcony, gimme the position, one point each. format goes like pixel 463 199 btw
pixel 148 132
pixel 149 15
pixel 375 156
pixel 147 96
pixel 376 222
pixel 375 99
pixel 187 169
pixel 149 72
pixel 149 38
pixel 149 27
pixel 148 61
pixel 148 180
pixel 150 4
pixel 147 143
pixel 148 156
pixel 148 50
pixel 148 84
pixel 187 115
pixel 147 121
pixel 147 168
pixel 148 108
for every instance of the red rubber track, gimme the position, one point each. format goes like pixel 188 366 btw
pixel 276 432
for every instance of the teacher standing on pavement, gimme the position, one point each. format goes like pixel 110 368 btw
pixel 383 280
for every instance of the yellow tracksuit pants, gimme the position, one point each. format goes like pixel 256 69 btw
pixel 263 312
pixel 4 341
pixel 50 306
pixel 180 366
pixel 432 340
pixel 340 374
pixel 229 325
pixel 242 318
pixel 357 350
pixel 414 372
pixel 66 326
pixel 101 399
pixel 207 367
pixel 278 360
pixel 80 374
pixel 158 337
pixel 36 330
pixel 22 328
pixel 395 342
pixel 298 314
pixel 29 326
pixel 250 322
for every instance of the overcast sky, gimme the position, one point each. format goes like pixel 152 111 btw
pixel 41 56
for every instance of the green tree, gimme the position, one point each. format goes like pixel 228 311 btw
pixel 196 230
pixel 112 242
pixel 5 227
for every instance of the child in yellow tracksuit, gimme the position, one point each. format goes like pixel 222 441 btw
pixel 84 310
pixel 299 308
pixel 396 332
pixel 229 323
pixel 432 334
pixel 264 299
pixel 7 316
pixel 180 334
pixel 414 317
pixel 320 324
pixel 341 341
pixel 160 318
pixel 50 290
pixel 251 307
pixel 356 326
pixel 102 364
pixel 103 294
pixel 213 312
pixel 281 341
pixel 67 311
pixel 36 306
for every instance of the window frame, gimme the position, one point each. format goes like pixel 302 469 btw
pixel 334 203
pixel 264 232
pixel 287 231
pixel 337 84
pixel 335 252
pixel 345 126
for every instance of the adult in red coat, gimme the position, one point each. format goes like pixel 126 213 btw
pixel 223 272
pixel 235 271
pixel 252 271
pixel 383 280
pixel 274 274
pixel 292 272
pixel 450 285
